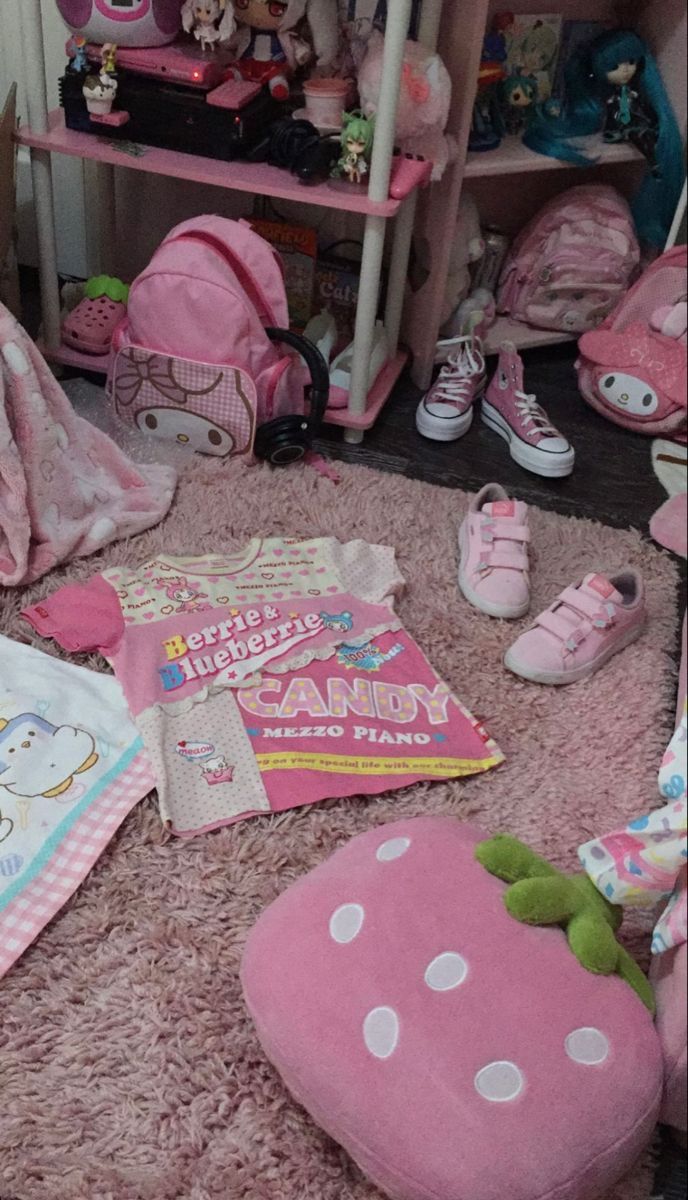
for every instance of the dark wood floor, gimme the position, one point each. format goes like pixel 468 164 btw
pixel 613 482
pixel 613 479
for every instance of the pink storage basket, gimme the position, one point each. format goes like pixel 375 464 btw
pixel 192 361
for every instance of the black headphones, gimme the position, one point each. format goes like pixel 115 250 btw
pixel 286 439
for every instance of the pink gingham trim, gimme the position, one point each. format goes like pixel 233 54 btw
pixel 29 912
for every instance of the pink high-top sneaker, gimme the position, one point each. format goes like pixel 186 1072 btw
pixel 584 627
pixel 493 554
pixel 534 443
pixel 446 411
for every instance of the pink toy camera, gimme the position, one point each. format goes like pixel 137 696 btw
pixel 125 22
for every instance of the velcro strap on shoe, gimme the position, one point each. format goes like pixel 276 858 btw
pixel 580 602
pixel 510 557
pixel 511 532
pixel 555 624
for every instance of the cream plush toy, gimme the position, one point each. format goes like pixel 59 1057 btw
pixel 467 248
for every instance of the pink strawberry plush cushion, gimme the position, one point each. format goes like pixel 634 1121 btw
pixel 455 1053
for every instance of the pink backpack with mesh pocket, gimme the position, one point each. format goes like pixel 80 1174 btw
pixel 192 362
pixel 573 262
pixel 633 369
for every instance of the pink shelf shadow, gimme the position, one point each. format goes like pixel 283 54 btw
pixel 377 397
pixel 65 356
pixel 256 178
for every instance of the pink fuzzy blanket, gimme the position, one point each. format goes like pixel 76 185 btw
pixel 66 490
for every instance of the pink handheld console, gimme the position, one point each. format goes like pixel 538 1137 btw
pixel 181 62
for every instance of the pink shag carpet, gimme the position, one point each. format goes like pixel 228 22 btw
pixel 129 1069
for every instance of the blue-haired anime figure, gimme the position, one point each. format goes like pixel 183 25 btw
pixel 613 86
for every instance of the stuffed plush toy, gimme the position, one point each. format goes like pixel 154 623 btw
pixel 270 45
pixel 467 248
pixel 541 895
pixel 424 100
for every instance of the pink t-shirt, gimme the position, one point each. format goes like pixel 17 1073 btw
pixel 196 641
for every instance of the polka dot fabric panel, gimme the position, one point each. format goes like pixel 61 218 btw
pixel 455 1053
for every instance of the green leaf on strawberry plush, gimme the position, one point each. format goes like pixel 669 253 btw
pixel 106 285
pixel 540 895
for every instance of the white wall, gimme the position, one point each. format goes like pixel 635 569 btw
pixel 68 173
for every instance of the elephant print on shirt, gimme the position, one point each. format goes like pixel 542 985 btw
pixel 40 759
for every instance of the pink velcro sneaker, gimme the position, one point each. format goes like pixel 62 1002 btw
pixel 584 627
pixel 493 554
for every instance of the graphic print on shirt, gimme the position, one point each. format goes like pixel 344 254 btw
pixel 187 598
pixel 6 827
pixel 373 717
pixel 215 767
pixel 41 759
pixel 368 657
pixel 305 628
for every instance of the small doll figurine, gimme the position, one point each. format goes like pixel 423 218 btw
pixel 270 42
pixel 210 21
pixel 628 117
pixel 357 144
pixel 518 95
pixel 108 59
pixel 613 86
pixel 487 126
pixel 76 49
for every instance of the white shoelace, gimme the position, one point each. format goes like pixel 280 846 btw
pixel 533 414
pixel 457 375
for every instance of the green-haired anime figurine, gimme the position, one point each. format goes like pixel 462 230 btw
pixel 358 133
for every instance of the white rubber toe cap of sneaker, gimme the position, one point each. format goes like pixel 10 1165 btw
pixel 554 445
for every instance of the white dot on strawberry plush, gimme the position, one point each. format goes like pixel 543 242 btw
pixel 346 923
pixel 499 1082
pixel 392 849
pixel 15 358
pixel 381 1032
pixel 587 1046
pixel 446 972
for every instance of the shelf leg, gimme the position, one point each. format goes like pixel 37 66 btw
pixel 398 270
pixel 34 73
pixel 41 175
pixel 107 219
pixel 366 312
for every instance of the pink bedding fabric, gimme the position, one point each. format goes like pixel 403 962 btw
pixel 67 490
pixel 670 979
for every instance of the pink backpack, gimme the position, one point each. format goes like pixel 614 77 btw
pixel 192 361
pixel 572 263
pixel 634 368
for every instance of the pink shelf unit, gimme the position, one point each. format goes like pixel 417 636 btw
pixel 65 356
pixel 513 158
pixel 255 178
pixel 377 397
pixel 379 394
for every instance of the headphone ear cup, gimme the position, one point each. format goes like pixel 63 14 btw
pixel 282 441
